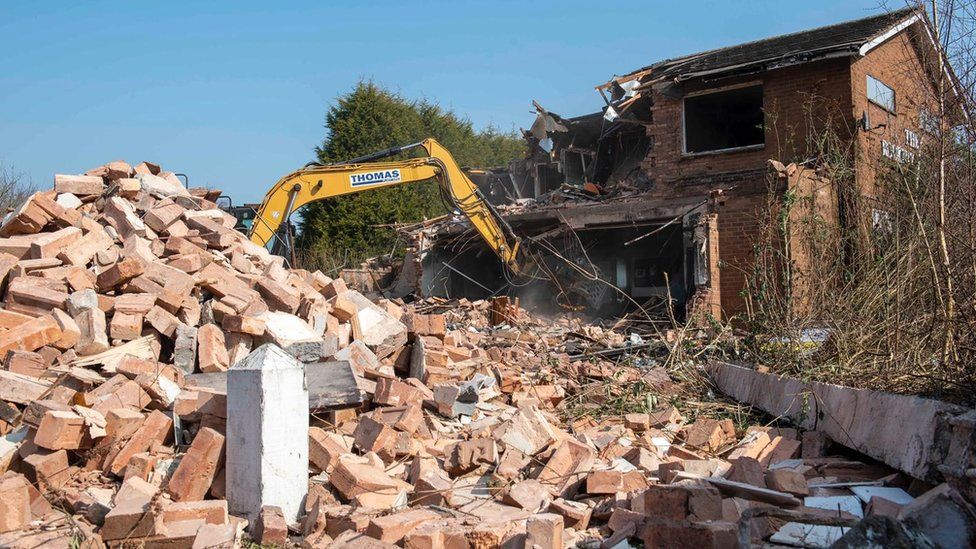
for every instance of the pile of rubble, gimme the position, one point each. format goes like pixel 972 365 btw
pixel 166 383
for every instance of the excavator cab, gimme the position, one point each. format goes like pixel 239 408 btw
pixel 245 214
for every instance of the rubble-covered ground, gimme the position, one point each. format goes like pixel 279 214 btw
pixel 156 367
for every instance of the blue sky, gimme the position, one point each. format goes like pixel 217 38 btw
pixel 234 93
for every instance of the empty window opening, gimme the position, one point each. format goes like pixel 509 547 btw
pixel 547 178
pixel 574 165
pixel 881 94
pixel 724 120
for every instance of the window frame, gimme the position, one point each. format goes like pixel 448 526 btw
pixel 867 93
pixel 711 91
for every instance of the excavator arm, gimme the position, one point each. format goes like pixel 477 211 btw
pixel 365 173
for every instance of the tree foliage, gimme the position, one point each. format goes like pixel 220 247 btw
pixel 369 119
pixel 15 187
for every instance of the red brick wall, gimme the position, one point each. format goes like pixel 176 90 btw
pixel 738 230
pixel 898 63
pixel 790 94
pixel 799 103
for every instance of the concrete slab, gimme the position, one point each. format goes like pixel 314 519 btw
pixel 331 384
pixel 906 432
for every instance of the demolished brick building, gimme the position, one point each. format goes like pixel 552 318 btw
pixel 663 188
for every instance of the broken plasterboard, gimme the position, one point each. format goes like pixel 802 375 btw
pixel 807 535
pixel 848 504
pixel 896 495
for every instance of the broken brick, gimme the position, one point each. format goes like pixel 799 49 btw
pixel 61 430
pixel 611 482
pixel 211 349
pixel 154 430
pixel 93 338
pixel 15 512
pixel 270 527
pixel 566 469
pixel 544 531
pixel 679 502
pixel 120 273
pixel 31 335
pixel 199 466
pixel 125 327
pixel 787 480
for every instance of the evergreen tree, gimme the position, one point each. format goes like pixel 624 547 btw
pixel 369 119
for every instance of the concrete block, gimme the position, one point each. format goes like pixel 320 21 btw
pixel 267 416
pixel 292 334
pixel 185 348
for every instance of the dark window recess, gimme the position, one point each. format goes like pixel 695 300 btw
pixel 574 167
pixel 724 120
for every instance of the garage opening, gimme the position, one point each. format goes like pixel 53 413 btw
pixel 724 120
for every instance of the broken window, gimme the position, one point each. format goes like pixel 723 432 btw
pixel 724 120
pixel 881 94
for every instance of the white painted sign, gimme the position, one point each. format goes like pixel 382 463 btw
pixel 896 152
pixel 374 178
pixel 912 139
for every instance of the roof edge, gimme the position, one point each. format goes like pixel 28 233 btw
pixel 888 34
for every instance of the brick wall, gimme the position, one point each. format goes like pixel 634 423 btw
pixel 797 101
pixel 739 222
pixel 814 240
pixel 899 64
pixel 706 303
pixel 790 95
pixel 800 103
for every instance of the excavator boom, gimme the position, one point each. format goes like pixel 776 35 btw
pixel 319 182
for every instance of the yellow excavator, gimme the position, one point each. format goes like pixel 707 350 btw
pixel 365 173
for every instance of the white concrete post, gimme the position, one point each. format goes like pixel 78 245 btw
pixel 267 434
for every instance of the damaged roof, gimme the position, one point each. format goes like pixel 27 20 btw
pixel 798 47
